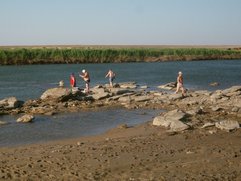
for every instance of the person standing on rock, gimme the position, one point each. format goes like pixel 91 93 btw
pixel 111 76
pixel 72 80
pixel 86 77
pixel 180 84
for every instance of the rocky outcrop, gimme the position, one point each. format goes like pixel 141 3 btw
pixel 25 119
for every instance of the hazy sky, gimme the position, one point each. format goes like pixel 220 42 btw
pixel 120 22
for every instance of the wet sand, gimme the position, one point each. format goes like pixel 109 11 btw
pixel 143 152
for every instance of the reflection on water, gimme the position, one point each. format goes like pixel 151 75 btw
pixel 71 125
pixel 30 81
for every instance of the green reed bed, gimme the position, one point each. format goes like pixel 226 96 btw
pixel 18 56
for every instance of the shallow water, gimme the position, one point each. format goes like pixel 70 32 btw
pixel 70 125
pixel 30 81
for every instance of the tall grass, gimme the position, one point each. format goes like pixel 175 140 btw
pixel 107 55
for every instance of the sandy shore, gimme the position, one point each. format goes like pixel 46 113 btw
pixel 144 152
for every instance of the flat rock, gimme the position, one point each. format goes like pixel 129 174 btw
pixel 98 90
pixel 126 99
pixel 231 89
pixel 214 84
pixel 128 85
pixel 100 96
pixel 143 87
pixel 175 114
pixel 56 93
pixel 168 86
pixel 25 119
pixel 171 120
pixel 119 91
pixel 206 125
pixel 202 92
pixel 216 108
pixel 175 97
pixel 227 125
pixel 178 126
pixel 141 98
pixel 195 111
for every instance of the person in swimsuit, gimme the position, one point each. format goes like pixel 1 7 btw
pixel 86 77
pixel 180 84
pixel 111 76
pixel 72 80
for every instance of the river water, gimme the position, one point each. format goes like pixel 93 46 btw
pixel 30 81
pixel 70 125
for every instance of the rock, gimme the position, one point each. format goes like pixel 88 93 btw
pixel 160 121
pixel 50 113
pixel 168 86
pixel 195 111
pixel 231 94
pixel 3 123
pixel 171 120
pixel 216 108
pixel 208 125
pixel 178 126
pixel 10 103
pixel 98 87
pixel 227 125
pixel 26 118
pixel 202 92
pixel 158 94
pixel 122 126
pixel 212 131
pixel 231 90
pixel 174 97
pixel 235 109
pixel 39 110
pixel 143 87
pixel 214 97
pixel 141 98
pixel 96 90
pixel 126 99
pixel 214 84
pixel 175 114
pixel 238 104
pixel 128 85
pixel 119 91
pixel 100 96
pixel 56 93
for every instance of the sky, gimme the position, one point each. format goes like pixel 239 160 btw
pixel 120 22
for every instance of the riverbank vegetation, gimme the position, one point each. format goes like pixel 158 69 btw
pixel 66 55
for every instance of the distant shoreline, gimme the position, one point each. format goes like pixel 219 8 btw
pixel 122 46
pixel 76 54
